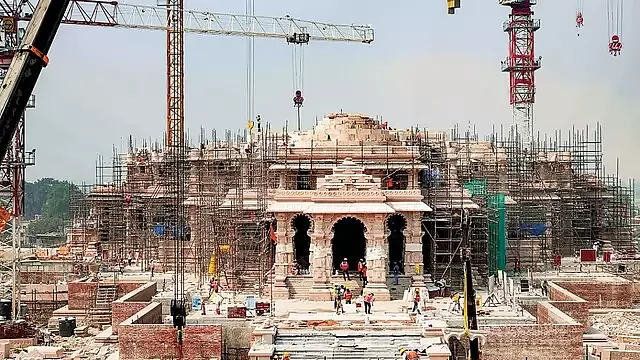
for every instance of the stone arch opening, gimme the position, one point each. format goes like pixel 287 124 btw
pixel 396 224
pixel 301 224
pixel 348 242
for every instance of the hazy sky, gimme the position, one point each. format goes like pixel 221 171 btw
pixel 425 67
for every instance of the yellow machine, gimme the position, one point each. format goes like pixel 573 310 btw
pixel 452 5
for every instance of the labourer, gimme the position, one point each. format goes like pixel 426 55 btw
pixel 416 302
pixel 348 296
pixel 396 272
pixel 360 265
pixel 409 354
pixel 214 286
pixel 344 267
pixel 368 302
pixel 364 275
pixel 545 288
pixel 339 308
pixel 285 356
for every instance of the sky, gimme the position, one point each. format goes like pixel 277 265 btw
pixel 425 68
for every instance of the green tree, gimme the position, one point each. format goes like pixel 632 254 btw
pixel 49 197
pixel 45 225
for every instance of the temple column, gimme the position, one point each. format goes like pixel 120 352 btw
pixel 284 251
pixel 377 256
pixel 413 259
pixel 321 273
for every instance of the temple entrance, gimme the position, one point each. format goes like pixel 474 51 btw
pixel 348 242
pixel 396 224
pixel 301 224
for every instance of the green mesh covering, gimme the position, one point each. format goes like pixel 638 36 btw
pixel 497 242
pixel 476 187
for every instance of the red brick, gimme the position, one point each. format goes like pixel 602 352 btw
pixel 82 294
pixel 143 337
pixel 120 311
pixel 533 342
pixel 615 293
pixel 569 303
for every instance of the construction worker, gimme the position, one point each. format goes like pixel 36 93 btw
pixel 396 272
pixel 545 288
pixel 348 296
pixel 344 267
pixel 456 303
pixel 339 308
pixel 409 354
pixel 368 302
pixel 364 274
pixel 360 265
pixel 214 286
pixel 285 356
pixel 416 302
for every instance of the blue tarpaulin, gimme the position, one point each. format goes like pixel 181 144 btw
pixel 534 229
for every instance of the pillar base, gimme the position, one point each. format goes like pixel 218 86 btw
pixel 380 291
pixel 417 281
pixel 280 288
pixel 320 292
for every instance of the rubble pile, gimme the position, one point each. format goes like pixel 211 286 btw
pixel 616 323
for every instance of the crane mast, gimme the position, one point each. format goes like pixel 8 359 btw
pixel 521 65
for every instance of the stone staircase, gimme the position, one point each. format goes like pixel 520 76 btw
pixel 300 285
pixel 100 313
pixel 379 345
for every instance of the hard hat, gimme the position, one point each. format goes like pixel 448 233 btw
pixel 402 351
pixel 285 354
pixel 345 259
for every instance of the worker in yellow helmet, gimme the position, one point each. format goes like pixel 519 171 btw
pixel 285 356
pixel 409 354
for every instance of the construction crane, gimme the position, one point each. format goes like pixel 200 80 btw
pixel 521 65
pixel 171 18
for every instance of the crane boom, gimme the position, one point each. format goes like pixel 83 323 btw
pixel 27 63
pixel 114 14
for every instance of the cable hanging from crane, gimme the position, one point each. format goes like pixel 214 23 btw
pixel 579 16
pixel 615 12
pixel 297 61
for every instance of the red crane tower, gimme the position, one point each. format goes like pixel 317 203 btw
pixel 521 65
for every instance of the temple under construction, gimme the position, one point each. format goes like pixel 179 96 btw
pixel 256 200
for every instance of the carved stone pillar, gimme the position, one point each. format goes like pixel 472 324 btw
pixel 377 256
pixel 321 288
pixel 283 248
pixel 413 259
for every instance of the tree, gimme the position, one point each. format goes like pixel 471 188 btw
pixel 49 197
pixel 45 225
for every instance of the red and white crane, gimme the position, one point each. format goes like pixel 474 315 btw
pixel 521 65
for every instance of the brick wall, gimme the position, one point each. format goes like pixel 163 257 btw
pixel 131 303
pixel 613 293
pixel 610 354
pixel 533 342
pixel 556 337
pixel 569 303
pixel 82 293
pixel 143 336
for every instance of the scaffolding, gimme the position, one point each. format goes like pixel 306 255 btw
pixel 505 203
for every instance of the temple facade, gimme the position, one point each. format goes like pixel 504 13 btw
pixel 351 218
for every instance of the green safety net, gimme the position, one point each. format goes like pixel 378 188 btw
pixel 476 187
pixel 497 242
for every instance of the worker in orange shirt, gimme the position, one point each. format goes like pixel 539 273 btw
pixel 409 354
pixel 348 296
pixel 344 267
pixel 285 356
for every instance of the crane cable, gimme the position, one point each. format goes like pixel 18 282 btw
pixel 251 80
pixel 297 60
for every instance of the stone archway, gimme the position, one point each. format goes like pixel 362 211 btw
pixel 396 224
pixel 301 225
pixel 348 241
